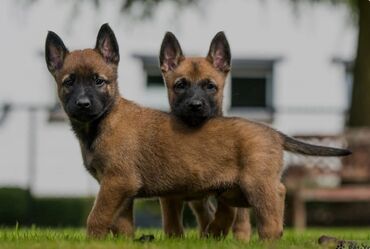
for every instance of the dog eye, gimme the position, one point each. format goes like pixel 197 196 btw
pixel 180 85
pixel 69 81
pixel 211 86
pixel 99 81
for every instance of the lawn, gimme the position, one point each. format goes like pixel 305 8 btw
pixel 75 238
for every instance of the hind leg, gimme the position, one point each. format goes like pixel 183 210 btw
pixel 204 212
pixel 267 199
pixel 242 229
pixel 223 221
pixel 172 208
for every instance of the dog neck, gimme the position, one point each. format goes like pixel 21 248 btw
pixel 88 132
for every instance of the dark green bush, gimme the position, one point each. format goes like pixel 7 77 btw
pixel 60 212
pixel 14 206
pixel 19 206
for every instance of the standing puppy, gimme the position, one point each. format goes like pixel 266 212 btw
pixel 137 152
pixel 195 93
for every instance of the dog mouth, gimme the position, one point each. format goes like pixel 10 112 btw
pixel 88 115
pixel 192 115
pixel 196 121
pixel 85 116
pixel 194 118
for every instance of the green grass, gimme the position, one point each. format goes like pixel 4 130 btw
pixel 75 238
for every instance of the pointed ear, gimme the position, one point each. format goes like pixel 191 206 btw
pixel 106 44
pixel 219 53
pixel 170 54
pixel 55 52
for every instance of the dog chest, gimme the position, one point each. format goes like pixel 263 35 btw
pixel 92 165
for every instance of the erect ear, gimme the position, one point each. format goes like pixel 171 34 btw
pixel 55 52
pixel 106 44
pixel 219 53
pixel 170 54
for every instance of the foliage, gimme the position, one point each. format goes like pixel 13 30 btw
pixel 19 206
pixel 148 7
pixel 14 205
pixel 144 9
pixel 60 212
pixel 352 4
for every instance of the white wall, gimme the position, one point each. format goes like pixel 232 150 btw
pixel 305 77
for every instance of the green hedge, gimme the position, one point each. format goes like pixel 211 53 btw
pixel 60 212
pixel 15 206
pixel 18 206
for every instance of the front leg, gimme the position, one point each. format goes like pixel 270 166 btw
pixel 123 223
pixel 113 192
pixel 224 218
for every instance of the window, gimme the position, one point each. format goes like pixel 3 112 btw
pixel 249 92
pixel 151 90
pixel 252 88
pixel 151 69
pixel 154 80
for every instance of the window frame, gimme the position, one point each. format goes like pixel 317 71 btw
pixel 150 65
pixel 254 68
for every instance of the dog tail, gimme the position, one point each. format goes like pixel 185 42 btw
pixel 296 146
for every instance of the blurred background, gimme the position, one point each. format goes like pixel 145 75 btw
pixel 301 66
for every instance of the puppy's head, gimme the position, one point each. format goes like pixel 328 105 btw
pixel 86 79
pixel 195 84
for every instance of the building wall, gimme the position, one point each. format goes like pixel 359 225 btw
pixel 310 93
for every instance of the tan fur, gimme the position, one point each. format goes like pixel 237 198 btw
pixel 137 152
pixel 96 64
pixel 195 69
pixel 141 152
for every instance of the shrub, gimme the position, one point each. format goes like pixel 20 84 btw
pixel 14 206
pixel 60 212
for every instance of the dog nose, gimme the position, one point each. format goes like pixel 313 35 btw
pixel 195 105
pixel 83 103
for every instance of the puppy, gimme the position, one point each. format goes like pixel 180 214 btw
pixel 194 98
pixel 137 152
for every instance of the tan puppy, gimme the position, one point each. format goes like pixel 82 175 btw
pixel 194 98
pixel 136 152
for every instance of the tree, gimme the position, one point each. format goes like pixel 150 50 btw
pixel 359 112
pixel 359 115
